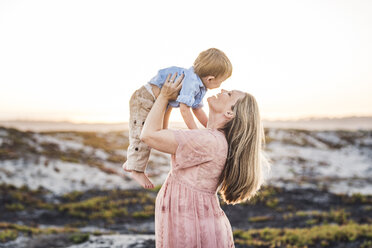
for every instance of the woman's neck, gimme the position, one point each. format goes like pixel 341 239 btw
pixel 215 121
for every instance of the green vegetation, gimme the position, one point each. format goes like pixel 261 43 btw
pixel 147 212
pixel 51 150
pixel 264 193
pixel 156 188
pixel 73 196
pixel 16 144
pixel 272 202
pixel 111 206
pixel 356 198
pixel 260 218
pixel 108 142
pixel 367 208
pixel 8 235
pixel 10 231
pixel 116 204
pixel 311 222
pixel 339 216
pixel 14 207
pixel 366 244
pixel 34 230
pixel 78 238
pixel 327 228
pixel 18 199
pixel 263 196
pixel 98 141
pixel 325 235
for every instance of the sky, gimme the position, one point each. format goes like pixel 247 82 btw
pixel 80 60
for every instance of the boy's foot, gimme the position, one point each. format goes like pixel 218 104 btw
pixel 142 179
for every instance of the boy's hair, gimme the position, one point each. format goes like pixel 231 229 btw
pixel 212 62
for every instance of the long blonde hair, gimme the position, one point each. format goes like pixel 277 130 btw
pixel 242 175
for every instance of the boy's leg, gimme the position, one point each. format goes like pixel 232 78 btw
pixel 138 152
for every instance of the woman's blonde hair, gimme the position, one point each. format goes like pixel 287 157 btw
pixel 212 62
pixel 242 175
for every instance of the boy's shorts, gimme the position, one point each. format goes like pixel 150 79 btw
pixel 138 153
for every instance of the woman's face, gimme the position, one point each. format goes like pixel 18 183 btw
pixel 223 101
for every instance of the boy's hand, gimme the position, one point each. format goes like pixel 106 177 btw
pixel 171 88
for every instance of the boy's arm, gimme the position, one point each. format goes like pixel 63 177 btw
pixel 187 116
pixel 201 116
pixel 166 117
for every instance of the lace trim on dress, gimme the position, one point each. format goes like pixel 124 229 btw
pixel 188 209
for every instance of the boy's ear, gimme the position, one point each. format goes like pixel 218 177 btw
pixel 210 78
pixel 229 114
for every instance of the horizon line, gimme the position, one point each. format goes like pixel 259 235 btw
pixel 123 122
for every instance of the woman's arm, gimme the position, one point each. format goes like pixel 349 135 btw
pixel 187 116
pixel 152 133
pixel 201 116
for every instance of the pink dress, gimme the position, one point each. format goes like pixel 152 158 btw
pixel 187 208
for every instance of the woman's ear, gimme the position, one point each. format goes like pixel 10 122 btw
pixel 229 114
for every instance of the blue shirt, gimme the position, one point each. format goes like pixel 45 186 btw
pixel 192 91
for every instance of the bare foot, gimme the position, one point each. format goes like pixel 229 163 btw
pixel 142 179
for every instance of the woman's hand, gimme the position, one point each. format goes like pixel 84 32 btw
pixel 171 88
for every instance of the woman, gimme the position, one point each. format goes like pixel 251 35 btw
pixel 227 155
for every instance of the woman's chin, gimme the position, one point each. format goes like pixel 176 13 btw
pixel 210 101
pixel 211 97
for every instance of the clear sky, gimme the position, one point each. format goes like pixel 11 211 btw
pixel 82 60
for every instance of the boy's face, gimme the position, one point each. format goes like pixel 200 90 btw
pixel 211 82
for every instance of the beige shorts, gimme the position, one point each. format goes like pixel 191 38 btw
pixel 138 153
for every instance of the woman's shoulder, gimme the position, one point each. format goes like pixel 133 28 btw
pixel 201 131
pixel 219 137
pixel 206 136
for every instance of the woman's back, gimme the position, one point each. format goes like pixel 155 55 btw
pixel 200 157
pixel 188 213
